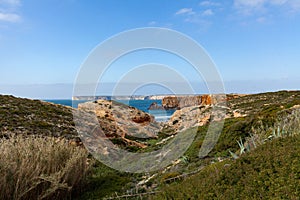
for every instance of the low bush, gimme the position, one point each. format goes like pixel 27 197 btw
pixel 270 171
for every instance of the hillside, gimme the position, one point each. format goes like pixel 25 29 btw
pixel 258 117
pixel 272 171
pixel 26 116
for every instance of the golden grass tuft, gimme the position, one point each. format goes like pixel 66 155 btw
pixel 34 167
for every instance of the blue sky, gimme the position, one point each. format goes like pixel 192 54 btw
pixel 255 44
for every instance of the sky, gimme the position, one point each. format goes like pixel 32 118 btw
pixel 254 44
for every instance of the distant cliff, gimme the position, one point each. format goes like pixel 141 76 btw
pixel 178 102
pixel 184 98
pixel 132 97
pixel 155 97
pixel 94 98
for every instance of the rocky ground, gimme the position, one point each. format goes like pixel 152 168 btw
pixel 25 116
pixel 118 120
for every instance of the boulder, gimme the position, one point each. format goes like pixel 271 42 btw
pixel 189 117
pixel 142 118
pixel 155 106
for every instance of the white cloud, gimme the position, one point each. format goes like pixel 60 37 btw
pixel 249 7
pixel 261 20
pixel 208 12
pixel 197 17
pixel 8 10
pixel 249 3
pixel 295 5
pixel 10 2
pixel 9 17
pixel 209 3
pixel 185 11
pixel 152 23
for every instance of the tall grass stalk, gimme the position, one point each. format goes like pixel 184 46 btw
pixel 289 125
pixel 39 168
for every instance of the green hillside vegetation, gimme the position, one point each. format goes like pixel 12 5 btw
pixel 269 167
pixel 25 116
pixel 267 116
pixel 269 171
pixel 272 171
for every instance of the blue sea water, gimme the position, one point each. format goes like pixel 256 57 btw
pixel 66 102
pixel 160 115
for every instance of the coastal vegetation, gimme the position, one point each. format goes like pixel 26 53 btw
pixel 270 171
pixel 34 167
pixel 256 156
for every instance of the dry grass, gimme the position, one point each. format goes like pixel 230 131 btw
pixel 40 168
pixel 290 125
pixel 287 125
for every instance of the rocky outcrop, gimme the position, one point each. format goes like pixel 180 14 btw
pixel 237 106
pixel 189 101
pixel 173 102
pixel 207 100
pixel 193 116
pixel 188 117
pixel 142 118
pixel 118 120
pixel 170 102
pixel 179 102
pixel 200 114
pixel 155 106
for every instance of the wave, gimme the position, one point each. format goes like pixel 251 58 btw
pixel 162 118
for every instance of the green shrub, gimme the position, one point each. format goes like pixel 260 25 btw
pixel 272 171
pixel 269 171
pixel 169 175
pixel 104 181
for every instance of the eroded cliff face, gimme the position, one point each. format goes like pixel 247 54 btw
pixel 170 102
pixel 118 120
pixel 200 115
pixel 173 102
pixel 179 102
pixel 188 117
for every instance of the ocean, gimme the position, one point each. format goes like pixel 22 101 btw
pixel 160 115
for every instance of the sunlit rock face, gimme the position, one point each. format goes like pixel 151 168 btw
pixel 121 121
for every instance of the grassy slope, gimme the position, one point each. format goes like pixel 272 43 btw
pixel 272 171
pixel 262 109
pixel 104 181
pixel 25 116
